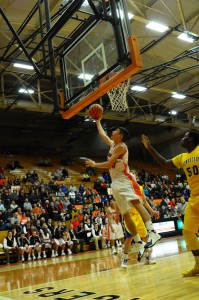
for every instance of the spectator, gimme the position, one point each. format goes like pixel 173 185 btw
pixel 10 245
pixel 35 244
pixel 24 247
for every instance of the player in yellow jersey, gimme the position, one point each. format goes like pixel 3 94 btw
pixel 189 161
pixel 141 231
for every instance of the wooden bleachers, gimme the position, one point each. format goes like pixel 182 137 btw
pixel 30 163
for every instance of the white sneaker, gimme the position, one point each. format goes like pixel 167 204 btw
pixel 124 263
pixel 69 252
pixel 22 259
pixel 29 258
pixel 114 251
pixel 153 238
pixel 149 262
pixel 56 254
pixel 62 254
pixel 39 257
pixel 44 255
pixel 140 248
pixel 53 255
pixel 34 257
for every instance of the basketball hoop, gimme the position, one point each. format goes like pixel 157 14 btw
pixel 117 96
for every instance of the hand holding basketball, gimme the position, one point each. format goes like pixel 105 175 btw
pixel 95 111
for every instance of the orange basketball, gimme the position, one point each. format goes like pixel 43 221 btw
pixel 95 111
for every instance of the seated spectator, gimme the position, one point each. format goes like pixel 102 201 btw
pixel 88 228
pixel 73 188
pixel 27 205
pixel 68 242
pixel 2 207
pixel 64 189
pixel 75 240
pixel 15 219
pixel 34 176
pixel 46 241
pixel 10 245
pixel 58 239
pixel 24 247
pixel 2 220
pixel 65 173
pixel 29 176
pixel 97 236
pixel 81 232
pixel 163 212
pixel 36 209
pixel 71 196
pixel 24 219
pixel 75 222
pixel 35 244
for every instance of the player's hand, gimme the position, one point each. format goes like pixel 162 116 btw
pixel 90 163
pixel 145 141
pixel 156 214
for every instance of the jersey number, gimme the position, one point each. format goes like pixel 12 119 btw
pixel 193 171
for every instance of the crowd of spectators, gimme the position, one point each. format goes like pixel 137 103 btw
pixel 44 208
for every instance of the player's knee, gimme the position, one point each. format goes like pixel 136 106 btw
pixel 191 239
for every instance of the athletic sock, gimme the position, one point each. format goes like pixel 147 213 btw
pixel 137 238
pixel 149 226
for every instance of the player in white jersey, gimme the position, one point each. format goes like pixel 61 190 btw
pixel 125 189
pixel 115 230
pixel 190 163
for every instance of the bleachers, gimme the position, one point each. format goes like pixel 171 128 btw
pixel 45 172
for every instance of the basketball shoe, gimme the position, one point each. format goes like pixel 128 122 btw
pixel 140 247
pixel 124 263
pixel 149 262
pixel 153 238
pixel 192 272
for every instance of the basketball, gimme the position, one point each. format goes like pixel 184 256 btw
pixel 95 111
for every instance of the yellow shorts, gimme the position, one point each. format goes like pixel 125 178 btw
pixel 191 218
pixel 141 229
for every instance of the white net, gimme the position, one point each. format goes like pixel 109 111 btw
pixel 117 96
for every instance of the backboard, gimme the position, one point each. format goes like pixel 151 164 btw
pixel 103 46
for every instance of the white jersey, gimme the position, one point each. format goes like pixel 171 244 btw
pixel 124 186
pixel 120 167
pixel 112 215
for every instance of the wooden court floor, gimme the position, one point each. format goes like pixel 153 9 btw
pixel 97 275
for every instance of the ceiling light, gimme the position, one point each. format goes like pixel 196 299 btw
pixel 26 91
pixel 157 27
pixel 85 76
pixel 85 3
pixel 173 112
pixel 178 96
pixel 188 37
pixel 138 88
pixel 130 16
pixel 23 66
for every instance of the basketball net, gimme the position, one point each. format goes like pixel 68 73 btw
pixel 117 96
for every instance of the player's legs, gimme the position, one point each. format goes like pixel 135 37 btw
pixel 191 222
pixel 134 233
pixel 153 235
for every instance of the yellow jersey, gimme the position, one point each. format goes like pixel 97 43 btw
pixel 190 164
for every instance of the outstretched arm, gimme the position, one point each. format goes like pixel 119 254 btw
pixel 118 151
pixel 103 134
pixel 160 159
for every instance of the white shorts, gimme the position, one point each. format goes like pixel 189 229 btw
pixel 125 190
pixel 117 234
pixel 26 249
pixel 35 247
pixel 47 245
pixel 59 242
